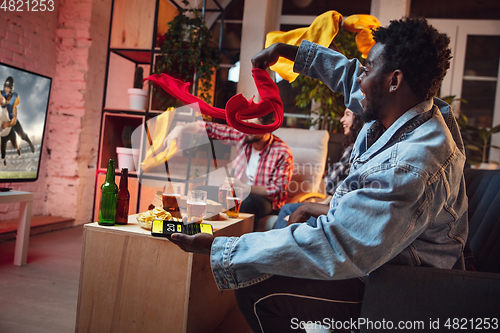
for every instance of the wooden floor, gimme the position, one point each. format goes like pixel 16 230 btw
pixel 41 297
pixel 39 224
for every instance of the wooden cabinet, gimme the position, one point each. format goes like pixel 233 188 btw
pixel 131 281
pixel 112 131
pixel 131 44
pixel 135 27
pixel 133 24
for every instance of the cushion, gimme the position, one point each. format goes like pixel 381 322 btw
pixel 483 191
pixel 403 293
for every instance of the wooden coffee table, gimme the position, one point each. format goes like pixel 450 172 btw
pixel 131 281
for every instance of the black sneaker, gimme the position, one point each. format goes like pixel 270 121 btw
pixel 18 151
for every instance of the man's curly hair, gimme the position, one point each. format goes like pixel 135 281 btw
pixel 419 51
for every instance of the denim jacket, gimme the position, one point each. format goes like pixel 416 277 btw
pixel 403 202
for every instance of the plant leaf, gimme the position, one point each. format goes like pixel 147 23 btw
pixel 495 129
pixel 484 134
pixel 474 148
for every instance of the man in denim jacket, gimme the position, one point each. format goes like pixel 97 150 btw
pixel 403 202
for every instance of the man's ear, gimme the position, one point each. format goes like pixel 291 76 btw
pixel 396 80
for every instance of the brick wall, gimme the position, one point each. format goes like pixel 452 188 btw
pixel 68 45
pixel 65 126
pixel 27 40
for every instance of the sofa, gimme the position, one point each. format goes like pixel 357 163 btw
pixel 309 149
pixel 446 299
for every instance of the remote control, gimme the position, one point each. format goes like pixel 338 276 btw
pixel 165 228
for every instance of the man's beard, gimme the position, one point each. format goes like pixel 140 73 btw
pixel 252 138
pixel 373 108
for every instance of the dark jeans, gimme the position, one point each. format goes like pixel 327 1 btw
pixel 12 138
pixel 280 304
pixel 17 128
pixel 257 205
pixel 284 212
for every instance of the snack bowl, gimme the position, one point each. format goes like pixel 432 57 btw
pixel 145 219
pixel 145 224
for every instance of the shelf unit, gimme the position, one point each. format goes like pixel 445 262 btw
pixel 134 27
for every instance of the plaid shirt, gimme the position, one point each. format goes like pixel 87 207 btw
pixel 338 171
pixel 275 165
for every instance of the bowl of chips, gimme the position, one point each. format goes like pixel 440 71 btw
pixel 146 219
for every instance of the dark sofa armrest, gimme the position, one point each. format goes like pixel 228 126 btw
pixel 403 293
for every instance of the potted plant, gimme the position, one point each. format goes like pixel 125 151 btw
pixel 189 54
pixel 127 156
pixel 137 95
pixel 477 142
pixel 327 106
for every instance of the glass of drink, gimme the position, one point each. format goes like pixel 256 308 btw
pixel 196 205
pixel 233 202
pixel 223 193
pixel 170 199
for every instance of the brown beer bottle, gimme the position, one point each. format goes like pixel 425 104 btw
pixel 123 199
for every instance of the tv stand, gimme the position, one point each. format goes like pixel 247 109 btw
pixel 24 224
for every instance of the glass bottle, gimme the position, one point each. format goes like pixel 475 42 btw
pixel 109 192
pixel 123 199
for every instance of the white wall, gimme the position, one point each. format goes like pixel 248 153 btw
pixel 387 10
pixel 259 18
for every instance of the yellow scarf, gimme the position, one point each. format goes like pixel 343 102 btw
pixel 362 25
pixel 157 132
pixel 322 32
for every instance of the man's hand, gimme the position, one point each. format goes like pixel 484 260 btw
pixel 199 243
pixel 270 55
pixel 3 101
pixel 265 58
pixel 307 210
pixel 300 215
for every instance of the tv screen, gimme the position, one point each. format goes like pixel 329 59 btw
pixel 23 104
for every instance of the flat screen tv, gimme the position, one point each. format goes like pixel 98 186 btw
pixel 23 104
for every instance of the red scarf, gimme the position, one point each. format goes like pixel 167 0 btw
pixel 238 108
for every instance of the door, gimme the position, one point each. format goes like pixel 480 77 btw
pixel 474 71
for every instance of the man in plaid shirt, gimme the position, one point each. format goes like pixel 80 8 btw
pixel 263 165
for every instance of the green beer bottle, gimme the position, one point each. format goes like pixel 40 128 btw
pixel 109 194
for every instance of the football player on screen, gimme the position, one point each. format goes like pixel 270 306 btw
pixel 10 123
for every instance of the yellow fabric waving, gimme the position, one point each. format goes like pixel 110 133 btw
pixel 362 25
pixel 158 129
pixel 322 31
